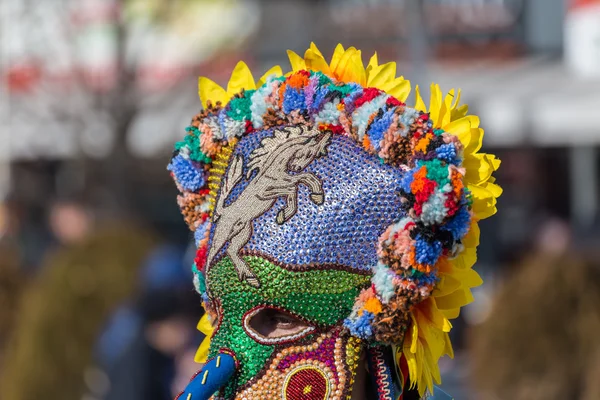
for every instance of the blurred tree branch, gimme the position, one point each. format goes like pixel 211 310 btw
pixel 92 69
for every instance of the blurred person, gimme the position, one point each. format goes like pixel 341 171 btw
pixel 64 308
pixel 22 229
pixel 147 368
pixel 70 221
pixel 335 235
pixel 541 339
pixel 142 341
pixel 553 238
pixel 11 284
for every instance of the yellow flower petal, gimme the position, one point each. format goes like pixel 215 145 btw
pixel 316 62
pixel 474 120
pixel 380 75
pixel 419 103
pixel 343 63
pixel 460 112
pixel 448 349
pixel 209 90
pixel 350 67
pixel 207 329
pixel 204 325
pixel 484 202
pixel 435 105
pixel 337 56
pixel 430 310
pixel 493 160
pixel 456 101
pixel 460 128
pixel 313 47
pixel 494 189
pixel 241 79
pixel 414 335
pixel 470 278
pixel 475 142
pixel 466 259
pixel 431 372
pixel 359 75
pixel 445 111
pixel 457 299
pixel 479 169
pixel 420 363
pixel 276 70
pixel 399 88
pixel 447 284
pixel 373 63
pixel 296 61
pixel 471 239
pixel 451 313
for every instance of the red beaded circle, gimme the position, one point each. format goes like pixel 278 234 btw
pixel 306 383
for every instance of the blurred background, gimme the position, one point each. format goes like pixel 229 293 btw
pixel 96 300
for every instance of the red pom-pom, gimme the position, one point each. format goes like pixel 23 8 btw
pixel 368 95
pixel 200 259
pixel 249 126
pixel 335 129
pixel 394 102
pixel 451 204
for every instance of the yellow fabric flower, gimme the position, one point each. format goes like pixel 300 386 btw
pixel 206 327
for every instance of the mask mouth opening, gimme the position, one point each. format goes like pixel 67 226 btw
pixel 270 325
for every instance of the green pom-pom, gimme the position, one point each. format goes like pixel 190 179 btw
pixel 201 279
pixel 437 171
pixel 239 107
pixel 192 142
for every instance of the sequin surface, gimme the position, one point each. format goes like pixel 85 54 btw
pixel 361 201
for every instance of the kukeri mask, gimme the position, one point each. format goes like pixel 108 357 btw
pixel 321 196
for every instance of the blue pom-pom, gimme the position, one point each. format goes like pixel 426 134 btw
pixel 407 180
pixel 361 327
pixel 447 152
pixel 319 99
pixel 426 252
pixel 427 279
pixel 379 127
pixel 293 100
pixel 205 298
pixel 188 175
pixel 200 232
pixel 459 224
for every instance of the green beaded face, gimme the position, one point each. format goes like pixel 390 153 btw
pixel 322 298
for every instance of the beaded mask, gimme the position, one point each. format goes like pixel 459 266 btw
pixel 321 195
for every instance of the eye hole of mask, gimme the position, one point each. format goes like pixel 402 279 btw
pixel 269 325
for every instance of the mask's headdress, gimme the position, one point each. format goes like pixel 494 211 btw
pixel 425 257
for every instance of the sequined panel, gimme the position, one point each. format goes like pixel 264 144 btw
pixel 360 202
